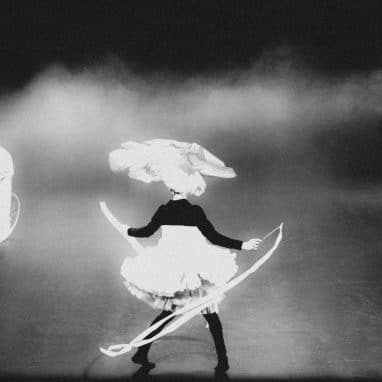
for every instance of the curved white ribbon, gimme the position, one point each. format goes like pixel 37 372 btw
pixel 190 310
pixel 121 228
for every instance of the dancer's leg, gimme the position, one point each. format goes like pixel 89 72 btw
pixel 140 356
pixel 217 334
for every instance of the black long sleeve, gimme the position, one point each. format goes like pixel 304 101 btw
pixel 208 230
pixel 150 228
pixel 183 213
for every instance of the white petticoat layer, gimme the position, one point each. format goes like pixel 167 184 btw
pixel 181 267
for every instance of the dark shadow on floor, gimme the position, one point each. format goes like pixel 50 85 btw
pixel 143 374
pixel 208 355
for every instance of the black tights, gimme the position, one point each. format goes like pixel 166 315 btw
pixel 214 324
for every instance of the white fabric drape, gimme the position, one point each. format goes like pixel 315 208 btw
pixel 6 174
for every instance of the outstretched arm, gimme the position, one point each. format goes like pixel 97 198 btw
pixel 208 230
pixel 150 228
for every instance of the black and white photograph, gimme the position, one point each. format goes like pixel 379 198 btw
pixel 190 190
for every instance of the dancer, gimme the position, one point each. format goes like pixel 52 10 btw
pixel 191 258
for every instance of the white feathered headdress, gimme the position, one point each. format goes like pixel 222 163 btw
pixel 180 165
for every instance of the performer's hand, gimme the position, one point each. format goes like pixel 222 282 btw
pixel 251 244
pixel 123 228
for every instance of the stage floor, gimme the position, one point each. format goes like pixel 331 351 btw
pixel 313 310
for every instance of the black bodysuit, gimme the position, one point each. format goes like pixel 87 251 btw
pixel 182 212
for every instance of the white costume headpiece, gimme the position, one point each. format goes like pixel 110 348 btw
pixel 180 165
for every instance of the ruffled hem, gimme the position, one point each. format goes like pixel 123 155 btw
pixel 165 276
pixel 178 300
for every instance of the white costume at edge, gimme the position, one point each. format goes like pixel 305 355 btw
pixel 6 174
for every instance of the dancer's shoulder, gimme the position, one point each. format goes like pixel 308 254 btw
pixel 161 209
pixel 197 209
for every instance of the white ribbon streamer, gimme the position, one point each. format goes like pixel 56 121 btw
pixel 121 228
pixel 191 309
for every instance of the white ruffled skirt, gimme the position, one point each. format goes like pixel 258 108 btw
pixel 182 267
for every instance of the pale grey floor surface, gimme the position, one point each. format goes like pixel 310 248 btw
pixel 315 309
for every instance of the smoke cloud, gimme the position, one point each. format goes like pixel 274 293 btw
pixel 64 123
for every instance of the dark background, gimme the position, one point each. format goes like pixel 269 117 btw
pixel 186 36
